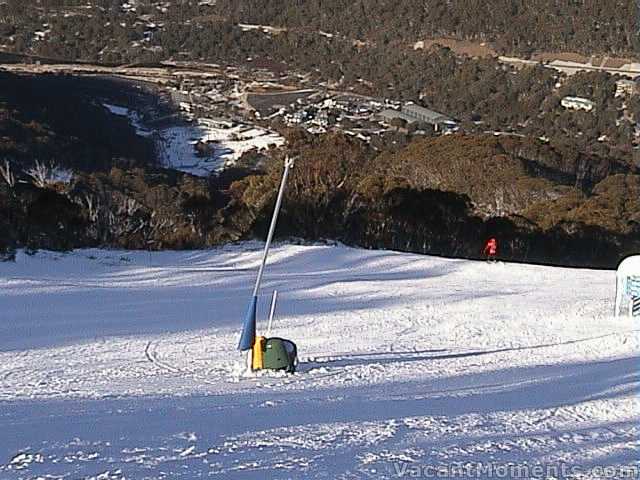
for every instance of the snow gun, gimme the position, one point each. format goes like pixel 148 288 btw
pixel 262 352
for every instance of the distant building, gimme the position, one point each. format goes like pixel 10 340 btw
pixel 626 87
pixel 412 113
pixel 323 118
pixel 577 103
pixel 178 97
pixel 299 117
pixel 389 114
pixel 424 114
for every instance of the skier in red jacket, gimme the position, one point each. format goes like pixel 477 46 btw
pixel 491 249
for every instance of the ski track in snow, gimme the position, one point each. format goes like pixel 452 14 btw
pixel 118 364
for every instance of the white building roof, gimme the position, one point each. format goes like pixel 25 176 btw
pixel 578 100
pixel 390 114
pixel 424 113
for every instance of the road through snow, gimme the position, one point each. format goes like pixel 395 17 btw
pixel 117 364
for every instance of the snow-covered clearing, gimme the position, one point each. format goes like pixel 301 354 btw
pixel 121 364
pixel 177 144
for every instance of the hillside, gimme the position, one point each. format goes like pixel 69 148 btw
pixel 116 31
pixel 124 366
pixel 446 195
pixel 59 120
pixel 440 195
pixel 463 180
pixel 519 27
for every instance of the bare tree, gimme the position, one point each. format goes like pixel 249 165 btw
pixel 43 175
pixel 39 174
pixel 129 207
pixel 7 174
pixel 93 206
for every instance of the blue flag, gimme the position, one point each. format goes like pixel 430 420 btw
pixel 249 328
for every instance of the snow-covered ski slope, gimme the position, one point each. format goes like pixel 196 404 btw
pixel 121 364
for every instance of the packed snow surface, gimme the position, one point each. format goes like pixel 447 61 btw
pixel 117 364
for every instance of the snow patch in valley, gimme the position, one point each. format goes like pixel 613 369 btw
pixel 226 145
pixel 222 145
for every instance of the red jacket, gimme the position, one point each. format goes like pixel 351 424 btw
pixel 491 247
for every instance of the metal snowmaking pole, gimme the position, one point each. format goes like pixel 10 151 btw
pixel 272 311
pixel 248 336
